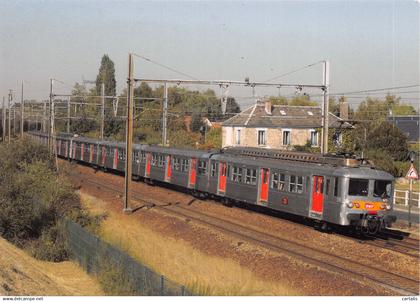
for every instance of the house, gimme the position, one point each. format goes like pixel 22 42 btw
pixel 277 126
pixel 409 126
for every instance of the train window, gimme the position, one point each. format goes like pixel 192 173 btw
pixel 299 185
pixel 177 165
pixel 358 187
pixel 143 157
pixel 184 165
pixel 282 182
pixel 296 184
pixel 202 167
pixel 251 176
pixel 335 186
pixel 236 174
pixel 275 180
pixel 161 161
pixel 292 184
pixel 154 159
pixel 136 157
pixel 382 189
pixel 327 188
pixel 213 170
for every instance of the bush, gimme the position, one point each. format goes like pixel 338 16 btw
pixel 33 199
pixel 114 280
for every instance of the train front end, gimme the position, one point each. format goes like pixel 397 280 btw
pixel 368 199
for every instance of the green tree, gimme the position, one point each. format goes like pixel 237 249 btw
pixel 106 75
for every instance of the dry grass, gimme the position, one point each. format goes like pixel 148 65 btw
pixel 178 260
pixel 20 274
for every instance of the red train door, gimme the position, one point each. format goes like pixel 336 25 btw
pixel 193 173
pixel 317 206
pixel 91 153
pixel 148 164
pixel 222 177
pixel 263 189
pixel 103 155
pixel 115 162
pixel 168 171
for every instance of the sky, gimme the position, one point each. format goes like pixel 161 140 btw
pixel 369 44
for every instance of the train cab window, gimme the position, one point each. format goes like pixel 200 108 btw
pixel 185 165
pixel 213 169
pixel 335 186
pixel 358 187
pixel 161 161
pixel 202 167
pixel 177 164
pixel 382 189
pixel 236 174
pixel 154 159
pixel 251 176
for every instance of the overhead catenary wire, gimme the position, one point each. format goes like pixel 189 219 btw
pixel 291 72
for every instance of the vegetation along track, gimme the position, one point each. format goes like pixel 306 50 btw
pixel 400 284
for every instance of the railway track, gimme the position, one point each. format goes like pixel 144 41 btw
pixel 399 284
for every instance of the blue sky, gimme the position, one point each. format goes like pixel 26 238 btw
pixel 370 44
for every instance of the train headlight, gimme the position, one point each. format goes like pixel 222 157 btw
pixel 385 200
pixel 388 207
pixel 350 204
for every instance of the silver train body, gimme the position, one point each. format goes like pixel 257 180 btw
pixel 329 190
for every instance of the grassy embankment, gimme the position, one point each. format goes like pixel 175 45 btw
pixel 177 259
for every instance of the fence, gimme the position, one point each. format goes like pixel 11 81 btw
pixel 401 198
pixel 99 257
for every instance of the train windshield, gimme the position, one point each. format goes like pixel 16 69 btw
pixel 382 189
pixel 358 187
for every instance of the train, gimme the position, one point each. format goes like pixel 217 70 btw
pixel 327 189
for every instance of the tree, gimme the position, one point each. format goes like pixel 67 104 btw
pixel 106 75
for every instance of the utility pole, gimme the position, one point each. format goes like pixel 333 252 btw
pixel 10 115
pixel 22 109
pixel 50 115
pixel 325 107
pixel 14 120
pixel 165 115
pixel 102 110
pixel 129 133
pixel 68 114
pixel 4 120
pixel 44 116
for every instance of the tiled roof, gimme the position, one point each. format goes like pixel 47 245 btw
pixel 283 116
pixel 409 125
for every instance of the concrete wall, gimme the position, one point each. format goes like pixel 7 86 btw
pixel 274 137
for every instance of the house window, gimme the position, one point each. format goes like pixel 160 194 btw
pixel 262 137
pixel 286 137
pixel 238 137
pixel 314 138
pixel 251 176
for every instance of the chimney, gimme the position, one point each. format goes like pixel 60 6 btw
pixel 267 106
pixel 344 109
